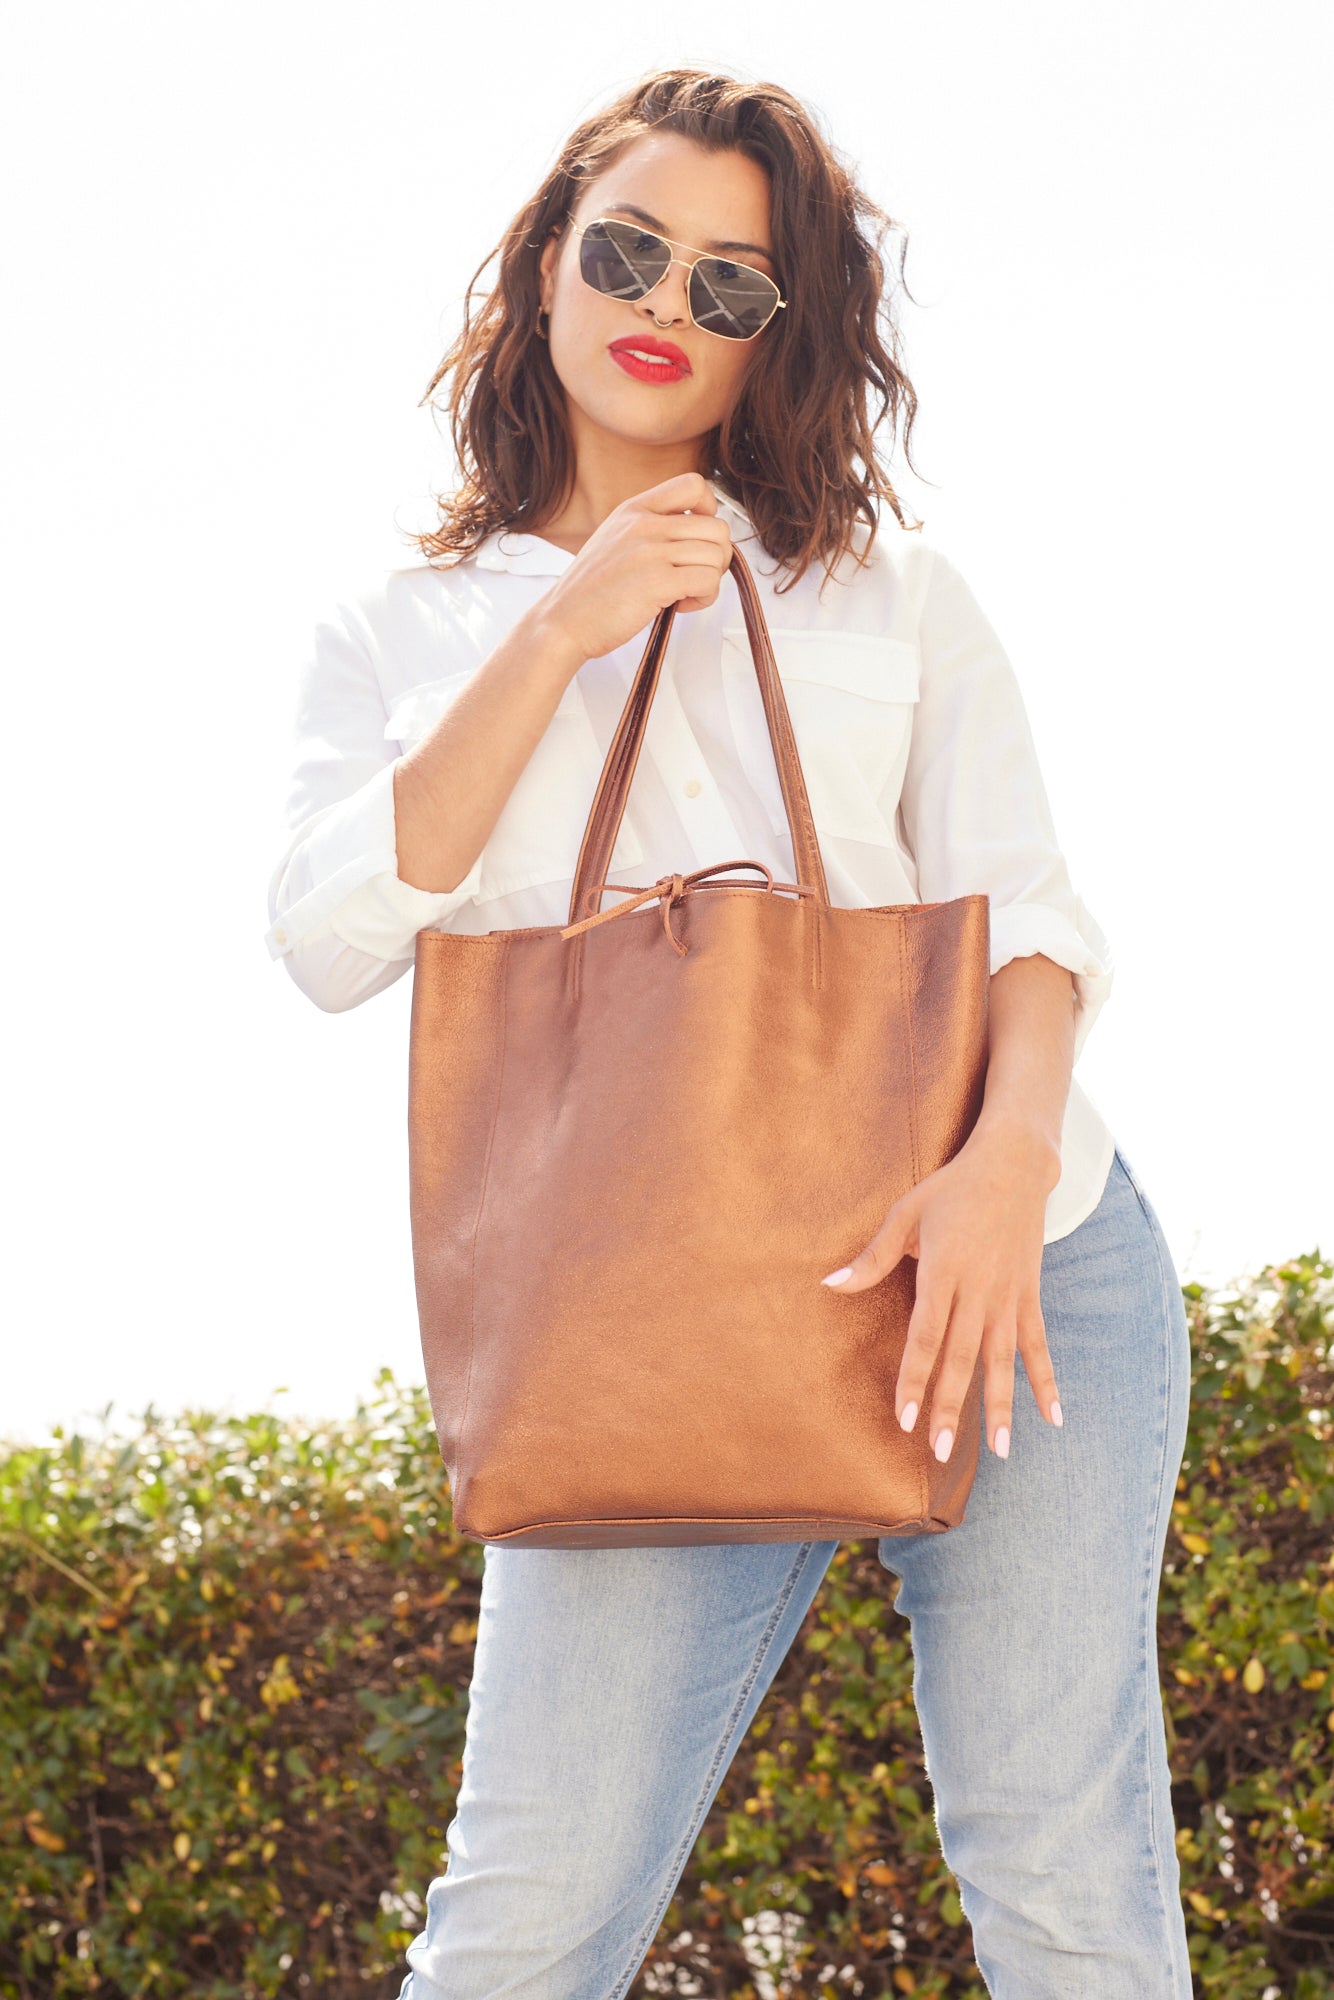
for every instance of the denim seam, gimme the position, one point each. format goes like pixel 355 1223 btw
pixel 1150 1594
pixel 650 1930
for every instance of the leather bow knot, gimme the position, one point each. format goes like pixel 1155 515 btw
pixel 671 889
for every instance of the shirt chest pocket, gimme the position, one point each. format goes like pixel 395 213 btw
pixel 540 830
pixel 851 697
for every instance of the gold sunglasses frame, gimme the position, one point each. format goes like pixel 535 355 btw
pixel 740 340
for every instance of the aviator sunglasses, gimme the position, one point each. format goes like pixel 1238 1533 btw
pixel 623 260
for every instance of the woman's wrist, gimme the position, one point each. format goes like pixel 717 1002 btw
pixel 553 642
pixel 1024 1146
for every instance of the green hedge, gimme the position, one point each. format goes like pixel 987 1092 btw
pixel 235 1664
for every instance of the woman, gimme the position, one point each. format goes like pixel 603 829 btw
pixel 677 355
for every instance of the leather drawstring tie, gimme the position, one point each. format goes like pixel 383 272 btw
pixel 671 889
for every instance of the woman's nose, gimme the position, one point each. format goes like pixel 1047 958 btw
pixel 669 297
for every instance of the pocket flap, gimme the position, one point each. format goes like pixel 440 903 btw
pixel 864 663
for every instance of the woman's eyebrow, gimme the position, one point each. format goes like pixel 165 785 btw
pixel 642 215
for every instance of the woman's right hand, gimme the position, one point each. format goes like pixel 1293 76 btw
pixel 647 553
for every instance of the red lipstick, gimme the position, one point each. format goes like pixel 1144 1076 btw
pixel 673 366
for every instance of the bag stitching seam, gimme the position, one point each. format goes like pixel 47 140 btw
pixel 481 1204
pixel 906 998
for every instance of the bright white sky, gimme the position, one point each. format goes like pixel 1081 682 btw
pixel 237 248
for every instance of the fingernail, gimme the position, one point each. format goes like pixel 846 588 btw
pixel 909 1417
pixel 943 1444
pixel 1002 1445
pixel 837 1277
pixel 1056 1416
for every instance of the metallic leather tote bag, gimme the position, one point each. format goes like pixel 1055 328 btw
pixel 638 1140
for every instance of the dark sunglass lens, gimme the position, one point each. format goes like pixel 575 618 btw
pixel 621 260
pixel 731 299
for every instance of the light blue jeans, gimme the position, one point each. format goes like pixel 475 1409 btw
pixel 612 1687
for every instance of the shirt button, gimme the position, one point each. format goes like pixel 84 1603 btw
pixel 280 937
pixel 692 788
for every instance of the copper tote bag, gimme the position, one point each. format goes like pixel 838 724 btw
pixel 638 1141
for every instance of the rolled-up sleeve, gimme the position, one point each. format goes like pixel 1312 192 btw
pixel 339 914
pixel 974 807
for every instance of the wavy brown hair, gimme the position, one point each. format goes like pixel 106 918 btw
pixel 796 449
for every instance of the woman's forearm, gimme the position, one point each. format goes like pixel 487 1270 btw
pixel 1032 1052
pixel 450 788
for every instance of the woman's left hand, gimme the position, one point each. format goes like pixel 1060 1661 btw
pixel 975 1227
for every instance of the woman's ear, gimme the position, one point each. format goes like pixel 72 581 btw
pixel 546 265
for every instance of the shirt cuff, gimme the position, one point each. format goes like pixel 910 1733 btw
pixel 351 856
pixel 1019 930
pixel 384 915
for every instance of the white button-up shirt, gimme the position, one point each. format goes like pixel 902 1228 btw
pixel 915 745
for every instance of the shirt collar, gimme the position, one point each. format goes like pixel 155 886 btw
pixel 524 554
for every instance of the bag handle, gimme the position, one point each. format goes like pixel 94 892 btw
pixel 608 808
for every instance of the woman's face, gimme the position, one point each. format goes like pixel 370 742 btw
pixel 701 201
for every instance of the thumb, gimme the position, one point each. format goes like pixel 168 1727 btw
pixel 886 1249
